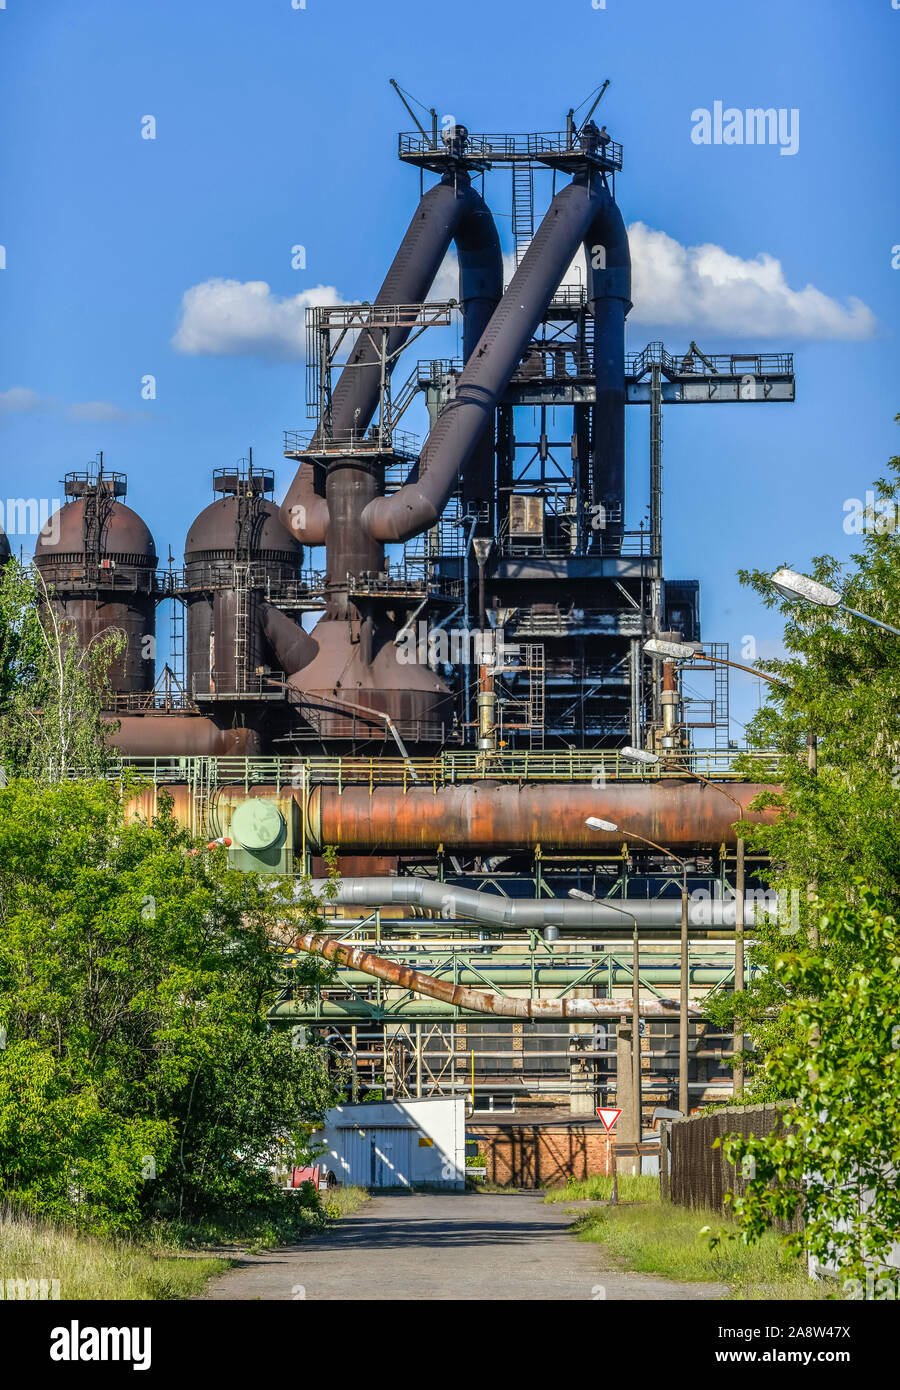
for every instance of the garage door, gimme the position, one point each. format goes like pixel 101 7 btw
pixel 392 1157
pixel 380 1156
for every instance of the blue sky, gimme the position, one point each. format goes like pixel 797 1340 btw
pixel 276 126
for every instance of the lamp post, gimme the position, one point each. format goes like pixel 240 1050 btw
pixel 637 1129
pixel 643 757
pixel 595 823
pixel 794 585
pixel 685 652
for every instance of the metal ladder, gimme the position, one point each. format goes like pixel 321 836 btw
pixel 721 711
pixel 522 209
pixel 534 657
pixel 176 641
pixel 241 623
pixel 204 783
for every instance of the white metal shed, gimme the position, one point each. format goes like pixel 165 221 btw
pixel 402 1143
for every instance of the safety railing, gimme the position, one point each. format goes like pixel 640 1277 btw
pixel 694 363
pixel 452 766
pixel 536 145
pixel 315 443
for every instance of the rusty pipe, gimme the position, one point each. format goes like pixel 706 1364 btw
pixel 475 1000
pixel 489 818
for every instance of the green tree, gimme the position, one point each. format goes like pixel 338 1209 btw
pixel 822 1013
pixel 137 1071
pixel 52 691
pixel 838 826
pixel 837 1159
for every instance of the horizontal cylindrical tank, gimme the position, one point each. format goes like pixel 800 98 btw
pixel 99 560
pixel 486 818
pixel 167 735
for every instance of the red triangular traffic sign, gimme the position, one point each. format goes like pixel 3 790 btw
pixel 608 1117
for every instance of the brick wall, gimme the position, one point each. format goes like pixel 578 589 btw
pixel 530 1155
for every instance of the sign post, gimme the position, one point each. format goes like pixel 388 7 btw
pixel 608 1119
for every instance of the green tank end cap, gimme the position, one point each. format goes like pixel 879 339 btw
pixel 257 824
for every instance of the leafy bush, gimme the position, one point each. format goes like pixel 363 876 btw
pixel 139 1076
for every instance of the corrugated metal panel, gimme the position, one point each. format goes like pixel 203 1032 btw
pixel 378 1156
pixel 392 1152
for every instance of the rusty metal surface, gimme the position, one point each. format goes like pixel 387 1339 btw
pixel 123 534
pixel 212 534
pixel 480 818
pixel 413 695
pixel 210 553
pixel 96 600
pixel 488 818
pixel 153 735
pixel 475 1000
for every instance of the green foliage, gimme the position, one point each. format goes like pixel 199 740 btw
pixel 840 824
pixel 52 692
pixel 88 1267
pixel 837 1159
pixel 138 1074
pixel 658 1238
pixel 632 1187
pixel 822 1015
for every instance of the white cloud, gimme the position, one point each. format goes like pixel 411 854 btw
pixel 22 398
pixel 19 398
pixel 102 411
pixel 234 318
pixel 707 289
pixel 693 289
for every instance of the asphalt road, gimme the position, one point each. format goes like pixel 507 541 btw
pixel 455 1246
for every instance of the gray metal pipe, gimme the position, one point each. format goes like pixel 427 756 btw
pixel 584 211
pixel 452 903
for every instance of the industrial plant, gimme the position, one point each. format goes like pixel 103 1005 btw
pixel 485 697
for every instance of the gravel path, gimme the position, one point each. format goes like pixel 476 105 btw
pixel 436 1246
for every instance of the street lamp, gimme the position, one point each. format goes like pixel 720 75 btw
pixel 644 758
pixel 595 823
pixel 794 585
pixel 682 651
pixel 637 1129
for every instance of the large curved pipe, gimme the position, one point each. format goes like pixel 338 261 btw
pixel 609 300
pixel 490 818
pixel 452 903
pixel 584 211
pixel 475 1000
pixel 291 643
pixel 452 211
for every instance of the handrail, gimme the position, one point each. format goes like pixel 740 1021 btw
pixel 451 766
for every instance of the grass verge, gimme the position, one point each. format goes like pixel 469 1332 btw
pixel 92 1268
pixel 659 1238
pixel 632 1188
pixel 343 1201
pixel 166 1261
